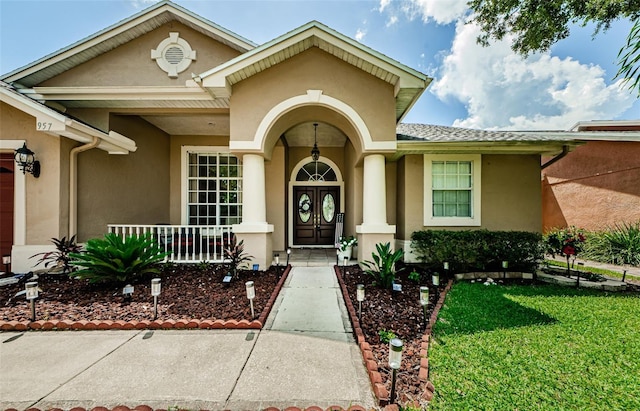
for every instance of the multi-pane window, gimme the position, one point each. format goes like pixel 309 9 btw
pixel 452 182
pixel 214 189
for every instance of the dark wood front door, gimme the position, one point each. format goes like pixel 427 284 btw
pixel 315 210
pixel 6 203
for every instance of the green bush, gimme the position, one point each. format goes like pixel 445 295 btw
pixel 114 259
pixel 382 268
pixel 617 245
pixel 478 250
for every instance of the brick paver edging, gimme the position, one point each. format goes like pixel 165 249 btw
pixel 147 408
pixel 379 390
pixel 58 325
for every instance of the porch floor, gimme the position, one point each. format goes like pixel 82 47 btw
pixel 310 257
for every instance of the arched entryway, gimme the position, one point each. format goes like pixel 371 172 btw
pixel 316 196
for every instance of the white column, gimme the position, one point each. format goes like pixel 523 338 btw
pixel 254 208
pixel 374 191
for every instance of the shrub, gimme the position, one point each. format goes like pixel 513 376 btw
pixel 114 259
pixel 382 268
pixel 234 253
pixel 478 250
pixel 60 257
pixel 617 245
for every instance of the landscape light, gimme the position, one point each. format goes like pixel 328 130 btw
pixel 395 359
pixel 505 265
pixel 446 265
pixel 424 301
pixel 288 255
pixel 6 260
pixel 277 257
pixel 31 292
pixel 251 294
pixel 360 298
pixel 435 280
pixel 127 291
pixel 155 292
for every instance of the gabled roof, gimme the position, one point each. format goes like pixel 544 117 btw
pixel 408 83
pixel 426 138
pixel 62 125
pixel 120 33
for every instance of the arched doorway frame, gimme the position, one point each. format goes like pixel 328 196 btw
pixel 292 182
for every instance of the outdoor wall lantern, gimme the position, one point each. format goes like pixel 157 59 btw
pixel 31 292
pixel 360 298
pixel 6 260
pixel 156 287
pixel 315 152
pixel 424 301
pixel 251 294
pixel 26 160
pixel 395 358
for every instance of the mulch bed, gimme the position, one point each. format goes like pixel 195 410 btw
pixel 401 313
pixel 189 291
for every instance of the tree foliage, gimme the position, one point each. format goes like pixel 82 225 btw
pixel 538 24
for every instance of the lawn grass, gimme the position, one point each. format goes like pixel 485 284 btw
pixel 541 347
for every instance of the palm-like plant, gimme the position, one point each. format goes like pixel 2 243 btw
pixel 382 268
pixel 116 259
pixel 235 255
pixel 60 257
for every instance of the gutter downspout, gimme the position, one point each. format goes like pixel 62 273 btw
pixel 73 183
pixel 565 151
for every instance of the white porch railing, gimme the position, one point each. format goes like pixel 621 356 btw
pixel 184 243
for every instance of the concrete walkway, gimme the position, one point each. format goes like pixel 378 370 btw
pixel 305 356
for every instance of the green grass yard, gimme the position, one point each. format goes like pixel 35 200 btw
pixel 536 348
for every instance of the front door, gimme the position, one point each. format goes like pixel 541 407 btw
pixel 6 203
pixel 315 210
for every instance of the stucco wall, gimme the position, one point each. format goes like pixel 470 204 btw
pixel 43 194
pixel 511 194
pixel 276 193
pixel 594 187
pixel 124 189
pixel 313 69
pixel 131 64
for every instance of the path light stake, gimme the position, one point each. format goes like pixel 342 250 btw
pixel 505 265
pixel 155 292
pixel 344 266
pixel 251 294
pixel 6 260
pixel 288 255
pixel 435 280
pixel 127 292
pixel 395 358
pixel 31 292
pixel 277 257
pixel 337 256
pixel 578 275
pixel 360 298
pixel 446 268
pixel 624 274
pixel 424 301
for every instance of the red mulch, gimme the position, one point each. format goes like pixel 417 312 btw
pixel 189 291
pixel 401 313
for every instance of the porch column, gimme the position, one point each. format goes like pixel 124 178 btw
pixel 254 229
pixel 374 228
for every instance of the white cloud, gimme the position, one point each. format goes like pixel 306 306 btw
pixel 392 20
pixel 441 11
pixel 501 90
pixel 360 33
pixel 383 5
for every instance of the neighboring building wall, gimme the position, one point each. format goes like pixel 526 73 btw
pixel 124 189
pixel 594 187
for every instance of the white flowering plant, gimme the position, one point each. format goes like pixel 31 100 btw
pixel 346 242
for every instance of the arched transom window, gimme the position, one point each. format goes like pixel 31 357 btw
pixel 316 171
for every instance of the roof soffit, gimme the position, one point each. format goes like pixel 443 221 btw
pixel 118 34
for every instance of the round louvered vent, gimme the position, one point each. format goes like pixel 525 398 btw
pixel 173 55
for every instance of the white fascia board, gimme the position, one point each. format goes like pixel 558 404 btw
pixel 604 123
pixel 408 77
pixel 59 124
pixel 469 147
pixel 116 93
pixel 572 136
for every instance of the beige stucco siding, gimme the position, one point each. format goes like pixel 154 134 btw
pixel 511 194
pixel 124 189
pixel 313 69
pixel 131 63
pixel 43 194
pixel 276 189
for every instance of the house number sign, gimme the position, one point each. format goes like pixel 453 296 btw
pixel 43 126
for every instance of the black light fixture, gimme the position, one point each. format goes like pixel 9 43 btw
pixel 315 152
pixel 26 159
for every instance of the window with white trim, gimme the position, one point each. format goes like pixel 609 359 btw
pixel 214 189
pixel 452 190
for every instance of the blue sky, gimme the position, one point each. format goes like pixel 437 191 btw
pixel 488 88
